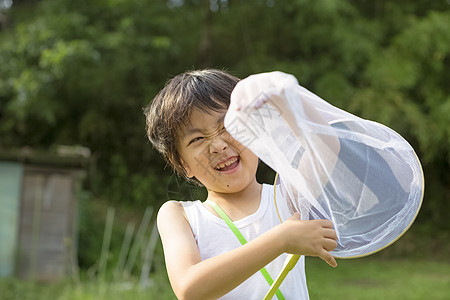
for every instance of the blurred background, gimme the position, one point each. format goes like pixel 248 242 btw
pixel 80 185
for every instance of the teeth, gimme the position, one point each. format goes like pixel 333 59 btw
pixel 227 163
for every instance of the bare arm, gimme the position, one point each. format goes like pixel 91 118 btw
pixel 192 278
pixel 274 88
pixel 327 147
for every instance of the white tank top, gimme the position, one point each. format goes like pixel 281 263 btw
pixel 214 237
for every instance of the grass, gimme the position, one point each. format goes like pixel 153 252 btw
pixel 415 267
pixel 377 278
pixel 364 278
pixel 14 289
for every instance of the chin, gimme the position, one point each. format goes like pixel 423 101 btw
pixel 237 186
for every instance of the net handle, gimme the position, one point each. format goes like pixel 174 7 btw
pixel 290 261
pixel 289 264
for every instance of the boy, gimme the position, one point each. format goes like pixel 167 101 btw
pixel 204 259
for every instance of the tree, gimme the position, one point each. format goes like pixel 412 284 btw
pixel 79 72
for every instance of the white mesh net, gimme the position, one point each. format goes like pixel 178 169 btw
pixel 359 174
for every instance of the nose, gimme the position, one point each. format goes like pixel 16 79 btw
pixel 218 144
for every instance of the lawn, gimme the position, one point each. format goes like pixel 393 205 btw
pixel 377 278
pixel 364 278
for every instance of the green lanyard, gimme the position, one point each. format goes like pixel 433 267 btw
pixel 241 239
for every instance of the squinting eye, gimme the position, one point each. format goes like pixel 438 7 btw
pixel 195 140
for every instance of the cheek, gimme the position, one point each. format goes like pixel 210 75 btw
pixel 250 159
pixel 243 150
pixel 236 145
pixel 246 153
pixel 254 159
pixel 198 160
pixel 186 168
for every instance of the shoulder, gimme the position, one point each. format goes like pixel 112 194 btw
pixel 169 212
pixel 170 206
pixel 174 208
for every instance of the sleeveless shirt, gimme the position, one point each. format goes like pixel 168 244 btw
pixel 214 237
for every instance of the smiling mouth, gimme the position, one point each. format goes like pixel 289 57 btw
pixel 228 165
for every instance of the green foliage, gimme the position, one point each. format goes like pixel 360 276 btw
pixel 159 289
pixel 74 75
pixel 365 278
pixel 92 224
pixel 79 72
pixel 369 278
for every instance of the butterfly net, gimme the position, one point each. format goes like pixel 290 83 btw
pixel 359 174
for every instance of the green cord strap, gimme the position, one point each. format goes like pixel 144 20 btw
pixel 243 241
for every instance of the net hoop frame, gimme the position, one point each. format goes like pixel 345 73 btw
pixel 390 243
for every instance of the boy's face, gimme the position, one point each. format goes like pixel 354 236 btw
pixel 210 154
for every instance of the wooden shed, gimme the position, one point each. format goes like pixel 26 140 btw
pixel 38 213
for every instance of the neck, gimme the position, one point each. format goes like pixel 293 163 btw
pixel 238 204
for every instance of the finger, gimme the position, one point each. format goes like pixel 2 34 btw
pixel 327 223
pixel 328 258
pixel 329 244
pixel 330 234
pixel 295 216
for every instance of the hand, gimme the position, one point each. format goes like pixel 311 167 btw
pixel 312 238
pixel 256 90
